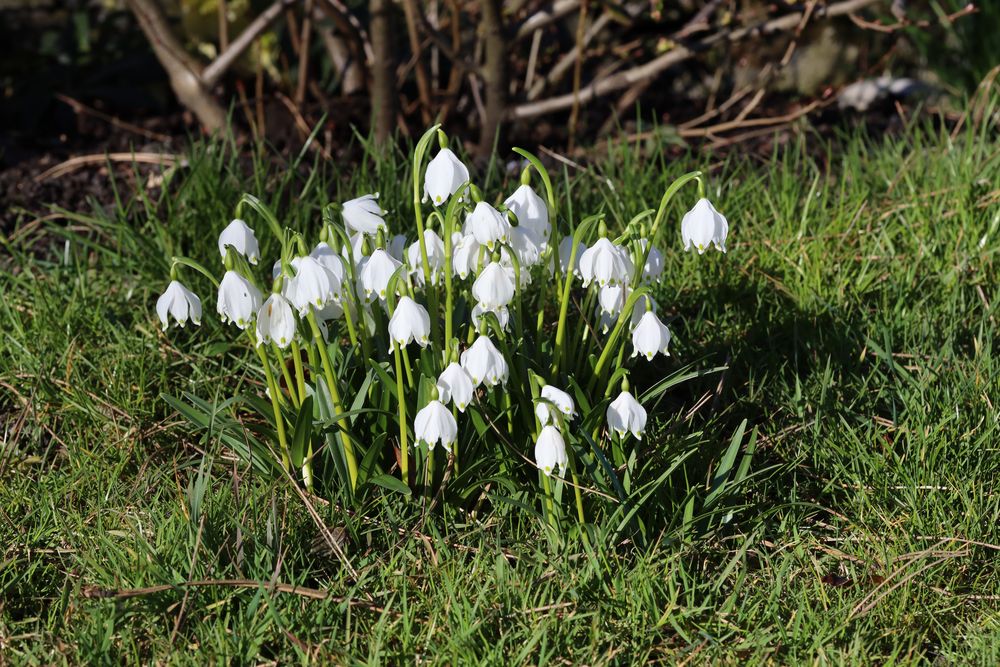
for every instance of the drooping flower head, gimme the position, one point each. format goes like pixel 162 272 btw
pixel 238 300
pixel 650 336
pixel 562 401
pixel 455 385
pixel 488 225
pixel 484 363
pixel 550 451
pixel 703 226
pixel 606 264
pixel 531 211
pixel 435 423
pixel 276 322
pixel 435 257
pixel 363 214
pixel 409 322
pixel 180 303
pixel 493 288
pixel 444 175
pixel 239 235
pixel 375 272
pixel 625 414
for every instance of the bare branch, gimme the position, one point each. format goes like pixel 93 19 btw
pixel 183 70
pixel 604 85
pixel 220 65
pixel 544 17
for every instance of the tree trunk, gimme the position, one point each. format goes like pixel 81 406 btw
pixel 383 95
pixel 494 74
pixel 183 70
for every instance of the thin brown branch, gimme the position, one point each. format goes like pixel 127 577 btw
pixel 603 85
pixel 411 11
pixel 221 65
pixel 544 17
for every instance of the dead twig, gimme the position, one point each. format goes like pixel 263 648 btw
pixel 164 159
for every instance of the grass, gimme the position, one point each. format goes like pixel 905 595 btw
pixel 854 313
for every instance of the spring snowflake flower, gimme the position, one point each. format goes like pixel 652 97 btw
pixel 626 414
pixel 653 268
pixel 478 316
pixel 528 247
pixel 650 336
pixel 465 256
pixel 444 175
pixel 276 322
pixel 565 247
pixel 493 288
pixel 356 252
pixel 455 386
pixel 330 260
pixel 703 226
pixel 484 363
pixel 238 300
pixel 562 401
pixel 488 225
pixel 409 322
pixel 550 451
pixel 239 235
pixel 435 423
pixel 435 257
pixel 606 264
pixel 313 285
pixel 363 215
pixel 531 211
pixel 375 272
pixel 180 303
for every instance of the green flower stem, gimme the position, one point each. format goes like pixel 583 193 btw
pixel 192 264
pixel 300 376
pixel 274 391
pixel 557 355
pixel 660 213
pixel 418 215
pixel 429 474
pixel 324 355
pixel 549 504
pixel 404 457
pixel 289 382
pixel 610 345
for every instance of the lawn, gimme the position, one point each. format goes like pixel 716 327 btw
pixel 851 326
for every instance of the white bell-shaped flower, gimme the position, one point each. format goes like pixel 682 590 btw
pixel 527 246
pixel 625 414
pixel 703 226
pixel 239 235
pixel 488 225
pixel 605 263
pixel 435 423
pixel 650 336
pixel 562 401
pixel 330 260
pixel 465 256
pixel 565 248
pixel 455 386
pixel 374 274
pixel 435 257
pixel 409 322
pixel 363 214
pixel 493 288
pixel 484 363
pixel 313 285
pixel 276 322
pixel 180 303
pixel 238 300
pixel 653 268
pixel 397 246
pixel 550 451
pixel 531 211
pixel 444 175
pixel 479 320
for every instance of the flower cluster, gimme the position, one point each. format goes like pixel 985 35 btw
pixel 470 313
